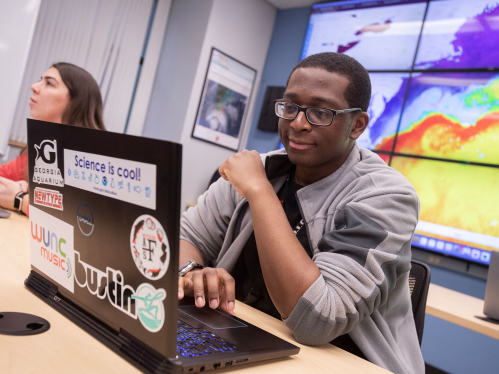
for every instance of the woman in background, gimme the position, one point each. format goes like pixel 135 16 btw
pixel 65 94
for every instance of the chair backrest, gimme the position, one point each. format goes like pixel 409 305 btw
pixel 216 175
pixel 419 283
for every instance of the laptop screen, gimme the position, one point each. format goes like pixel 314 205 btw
pixel 105 215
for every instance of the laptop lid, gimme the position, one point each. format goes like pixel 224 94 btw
pixel 105 216
pixel 491 302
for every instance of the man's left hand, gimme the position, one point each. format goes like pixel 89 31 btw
pixel 246 173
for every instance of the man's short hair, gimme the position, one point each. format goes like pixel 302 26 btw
pixel 358 92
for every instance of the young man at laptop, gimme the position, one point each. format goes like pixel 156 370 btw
pixel 318 234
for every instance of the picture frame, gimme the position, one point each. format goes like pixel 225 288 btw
pixel 224 102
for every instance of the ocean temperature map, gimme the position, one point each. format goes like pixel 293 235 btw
pixel 450 115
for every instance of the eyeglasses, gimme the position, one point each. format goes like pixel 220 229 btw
pixel 315 116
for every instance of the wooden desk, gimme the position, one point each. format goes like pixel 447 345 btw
pixel 460 309
pixel 66 347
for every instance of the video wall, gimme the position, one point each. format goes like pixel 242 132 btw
pixel 434 111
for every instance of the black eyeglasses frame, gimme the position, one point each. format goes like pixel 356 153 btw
pixel 304 109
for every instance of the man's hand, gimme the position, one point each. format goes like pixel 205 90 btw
pixel 8 191
pixel 246 173
pixel 214 284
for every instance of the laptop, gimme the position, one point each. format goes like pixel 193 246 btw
pixel 104 244
pixel 491 302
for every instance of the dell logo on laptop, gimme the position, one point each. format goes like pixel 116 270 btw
pixel 85 219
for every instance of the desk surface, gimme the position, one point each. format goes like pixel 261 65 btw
pixel 66 347
pixel 460 309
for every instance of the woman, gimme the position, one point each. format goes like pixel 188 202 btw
pixel 65 94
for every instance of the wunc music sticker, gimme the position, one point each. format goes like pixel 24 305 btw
pixel 150 248
pixel 51 247
pixel 46 170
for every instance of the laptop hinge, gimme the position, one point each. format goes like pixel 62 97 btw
pixel 128 347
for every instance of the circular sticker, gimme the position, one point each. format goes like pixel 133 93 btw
pixel 149 246
pixel 85 219
pixel 149 304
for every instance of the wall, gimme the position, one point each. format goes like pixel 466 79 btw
pixel 454 348
pixel 17 25
pixel 184 37
pixel 445 345
pixel 284 53
pixel 242 29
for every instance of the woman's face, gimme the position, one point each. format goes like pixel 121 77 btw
pixel 50 97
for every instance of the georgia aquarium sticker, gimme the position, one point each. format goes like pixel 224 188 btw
pixel 149 306
pixel 149 246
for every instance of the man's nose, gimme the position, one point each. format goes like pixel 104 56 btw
pixel 300 123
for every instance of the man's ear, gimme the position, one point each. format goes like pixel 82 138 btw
pixel 359 124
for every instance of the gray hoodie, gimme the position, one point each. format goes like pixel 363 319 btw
pixel 360 221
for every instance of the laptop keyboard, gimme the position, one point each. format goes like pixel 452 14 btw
pixel 193 342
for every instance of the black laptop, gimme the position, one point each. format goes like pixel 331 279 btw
pixel 104 241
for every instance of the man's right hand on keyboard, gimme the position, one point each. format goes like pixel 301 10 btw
pixel 213 284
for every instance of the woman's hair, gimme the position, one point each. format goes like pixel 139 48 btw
pixel 85 105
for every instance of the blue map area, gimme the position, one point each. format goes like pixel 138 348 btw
pixel 473 45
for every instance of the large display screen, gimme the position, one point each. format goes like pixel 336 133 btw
pixel 387 98
pixel 458 204
pixel 388 30
pixel 452 116
pixel 460 34
pixel 434 111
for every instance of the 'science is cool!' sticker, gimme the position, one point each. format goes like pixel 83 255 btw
pixel 150 248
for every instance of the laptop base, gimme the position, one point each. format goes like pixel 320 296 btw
pixel 125 345
pixel 488 319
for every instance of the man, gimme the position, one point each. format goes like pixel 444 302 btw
pixel 318 234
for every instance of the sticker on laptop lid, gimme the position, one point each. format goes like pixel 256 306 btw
pixel 51 247
pixel 117 178
pixel 46 170
pixel 149 306
pixel 49 198
pixel 111 285
pixel 85 219
pixel 149 246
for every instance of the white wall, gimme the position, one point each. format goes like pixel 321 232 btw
pixel 182 44
pixel 17 24
pixel 242 29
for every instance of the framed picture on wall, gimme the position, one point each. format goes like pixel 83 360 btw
pixel 224 101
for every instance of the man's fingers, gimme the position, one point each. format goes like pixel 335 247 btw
pixel 229 289
pixel 213 286
pixel 198 287
pixel 223 307
pixel 184 285
pixel 221 170
pixel 211 277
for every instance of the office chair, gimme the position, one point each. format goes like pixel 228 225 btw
pixel 419 283
pixel 214 178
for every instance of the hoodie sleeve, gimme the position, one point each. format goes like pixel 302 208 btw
pixel 205 225
pixel 361 259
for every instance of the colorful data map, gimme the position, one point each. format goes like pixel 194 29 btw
pixel 460 34
pixel 422 121
pixel 388 32
pixel 387 97
pixel 456 195
pixel 446 115
pixel 450 115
